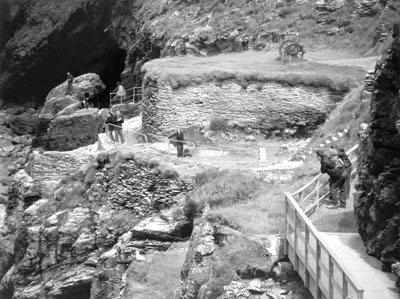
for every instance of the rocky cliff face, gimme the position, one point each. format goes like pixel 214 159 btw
pixel 40 41
pixel 378 189
pixel 62 239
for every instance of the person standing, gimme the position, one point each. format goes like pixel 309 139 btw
pixel 179 140
pixel 120 92
pixel 119 120
pixel 336 181
pixel 340 154
pixel 110 121
pixel 70 79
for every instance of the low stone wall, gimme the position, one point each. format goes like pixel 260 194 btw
pixel 263 107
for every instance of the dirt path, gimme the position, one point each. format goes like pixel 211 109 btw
pixel 336 220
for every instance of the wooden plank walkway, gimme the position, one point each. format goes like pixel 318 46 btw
pixel 367 269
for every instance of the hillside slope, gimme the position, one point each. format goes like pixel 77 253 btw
pixel 114 39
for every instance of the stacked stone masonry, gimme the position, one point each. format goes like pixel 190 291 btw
pixel 260 106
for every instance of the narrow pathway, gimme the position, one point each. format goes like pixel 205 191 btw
pixel 366 269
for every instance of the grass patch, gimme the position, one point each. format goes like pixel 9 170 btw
pixel 242 200
pixel 250 66
pixel 348 115
pixel 218 124
pixel 145 280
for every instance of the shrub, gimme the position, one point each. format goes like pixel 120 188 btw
pixel 218 124
pixel 192 209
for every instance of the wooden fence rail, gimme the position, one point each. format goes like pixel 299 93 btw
pixel 322 272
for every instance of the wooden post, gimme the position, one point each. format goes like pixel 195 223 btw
pixel 331 277
pixel 296 259
pixel 306 275
pixel 345 286
pixel 285 242
pixel 317 195
pixel 318 269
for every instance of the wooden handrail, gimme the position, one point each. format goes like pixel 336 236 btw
pixel 321 243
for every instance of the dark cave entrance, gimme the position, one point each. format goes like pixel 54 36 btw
pixel 82 47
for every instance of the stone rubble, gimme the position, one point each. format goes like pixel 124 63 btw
pixel 138 189
pixel 365 8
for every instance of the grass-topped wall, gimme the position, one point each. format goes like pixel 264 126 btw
pixel 252 89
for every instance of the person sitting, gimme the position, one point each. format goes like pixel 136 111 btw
pixel 335 170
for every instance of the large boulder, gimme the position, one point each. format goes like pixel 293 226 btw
pixel 54 105
pixel 164 227
pixel 57 100
pixel 68 132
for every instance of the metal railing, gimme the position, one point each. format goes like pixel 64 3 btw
pixel 311 192
pixel 129 137
pixel 133 94
pixel 321 270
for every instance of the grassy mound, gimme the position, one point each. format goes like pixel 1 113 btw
pixel 251 67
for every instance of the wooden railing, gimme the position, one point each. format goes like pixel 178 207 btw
pixel 315 190
pixel 322 272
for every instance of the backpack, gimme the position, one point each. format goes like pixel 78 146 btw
pixel 338 162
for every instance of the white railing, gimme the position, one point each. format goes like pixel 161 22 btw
pixel 323 273
pixel 133 94
pixel 130 136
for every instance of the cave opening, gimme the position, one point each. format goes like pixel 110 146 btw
pixel 78 292
pixel 83 46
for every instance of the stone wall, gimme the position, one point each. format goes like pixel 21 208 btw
pixel 378 188
pixel 263 107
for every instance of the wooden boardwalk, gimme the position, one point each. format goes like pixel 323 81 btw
pixel 366 269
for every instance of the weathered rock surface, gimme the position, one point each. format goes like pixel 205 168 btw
pixel 68 132
pixel 62 240
pixel 218 255
pixel 115 39
pixel 88 82
pixel 378 188
pixel 163 227
pixel 273 106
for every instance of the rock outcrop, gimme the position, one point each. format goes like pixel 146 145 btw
pixel 64 240
pixel 41 41
pixel 222 261
pixel 68 132
pixel 58 103
pixel 378 188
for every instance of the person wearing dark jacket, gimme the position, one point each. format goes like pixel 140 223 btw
pixel 336 182
pixel 118 127
pixel 110 121
pixel 178 141
pixel 346 173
